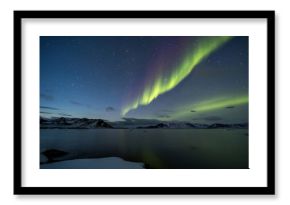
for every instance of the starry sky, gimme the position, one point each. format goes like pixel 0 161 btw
pixel 198 79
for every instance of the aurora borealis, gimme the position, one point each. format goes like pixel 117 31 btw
pixel 211 105
pixel 166 82
pixel 187 78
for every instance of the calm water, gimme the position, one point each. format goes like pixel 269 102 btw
pixel 156 148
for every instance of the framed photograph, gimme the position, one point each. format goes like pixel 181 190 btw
pixel 144 102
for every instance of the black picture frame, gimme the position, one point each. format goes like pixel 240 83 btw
pixel 270 18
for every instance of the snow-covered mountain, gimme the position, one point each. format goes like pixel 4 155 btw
pixel 70 123
pixel 187 125
pixel 85 123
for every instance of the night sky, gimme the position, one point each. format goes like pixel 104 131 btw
pixel 195 79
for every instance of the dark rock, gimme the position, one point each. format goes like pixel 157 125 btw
pixel 147 166
pixel 42 121
pixel 102 123
pixel 83 120
pixel 160 125
pixel 236 126
pixel 51 154
pixel 61 121
pixel 218 125
pixel 191 125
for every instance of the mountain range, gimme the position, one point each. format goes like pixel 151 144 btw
pixel 85 123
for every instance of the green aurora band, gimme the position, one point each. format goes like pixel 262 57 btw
pixel 163 84
pixel 210 105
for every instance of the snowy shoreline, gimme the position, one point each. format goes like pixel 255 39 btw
pixel 95 163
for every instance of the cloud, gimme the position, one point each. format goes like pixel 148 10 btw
pixel 46 97
pixel 166 110
pixel 79 104
pixel 230 107
pixel 163 116
pixel 48 108
pixel 209 118
pixel 163 113
pixel 110 109
pixel 63 114
pixel 45 112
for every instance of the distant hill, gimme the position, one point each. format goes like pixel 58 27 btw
pixel 219 125
pixel 186 125
pixel 85 123
pixel 73 123
pixel 160 125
